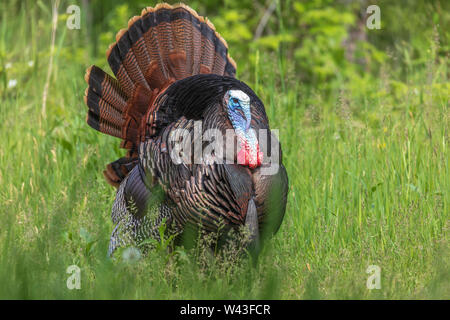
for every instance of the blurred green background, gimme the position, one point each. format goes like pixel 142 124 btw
pixel 364 125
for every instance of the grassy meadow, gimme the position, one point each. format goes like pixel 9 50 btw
pixel 366 148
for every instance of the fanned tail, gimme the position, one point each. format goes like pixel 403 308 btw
pixel 165 44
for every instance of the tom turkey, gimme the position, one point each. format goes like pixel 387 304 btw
pixel 174 74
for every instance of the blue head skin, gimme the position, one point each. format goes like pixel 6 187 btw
pixel 238 106
pixel 238 109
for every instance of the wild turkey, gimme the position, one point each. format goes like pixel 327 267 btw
pixel 172 69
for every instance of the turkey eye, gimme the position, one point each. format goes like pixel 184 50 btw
pixel 234 100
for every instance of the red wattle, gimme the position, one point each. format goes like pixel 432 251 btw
pixel 247 158
pixel 242 157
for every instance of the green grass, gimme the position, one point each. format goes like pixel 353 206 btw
pixel 367 164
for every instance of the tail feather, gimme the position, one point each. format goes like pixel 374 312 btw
pixel 140 49
pixel 105 101
pixel 165 44
pixel 208 51
pixel 106 87
pixel 102 108
pixel 123 52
